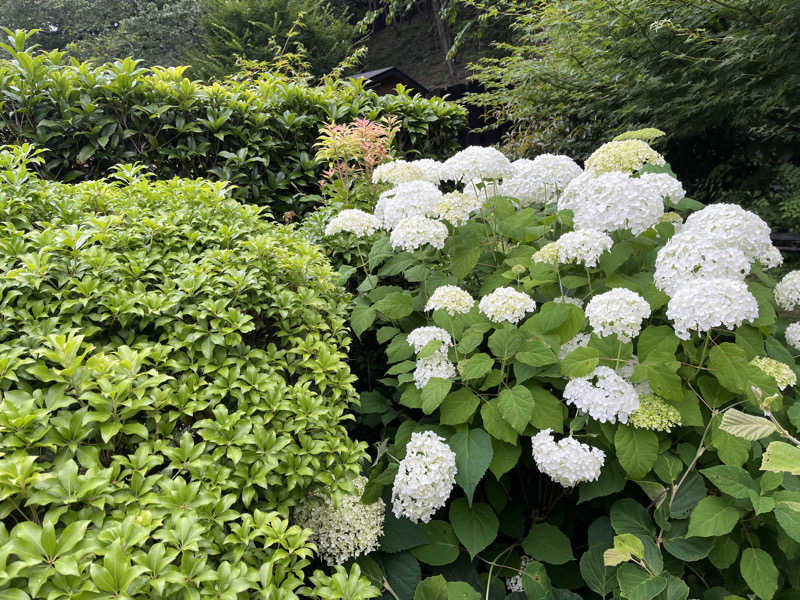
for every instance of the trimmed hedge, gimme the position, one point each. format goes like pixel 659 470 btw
pixel 259 135
pixel 174 379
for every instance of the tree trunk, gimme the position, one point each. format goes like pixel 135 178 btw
pixel 444 36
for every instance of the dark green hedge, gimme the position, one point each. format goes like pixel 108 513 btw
pixel 257 134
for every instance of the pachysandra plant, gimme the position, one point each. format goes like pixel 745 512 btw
pixel 592 451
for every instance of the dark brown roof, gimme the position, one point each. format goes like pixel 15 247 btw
pixel 379 75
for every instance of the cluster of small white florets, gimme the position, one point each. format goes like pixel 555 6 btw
pixel 792 335
pixel 782 373
pixel 581 340
pixel 608 400
pixel 568 300
pixel 690 254
pixel 539 181
pixel 787 292
pixel 414 198
pixel 452 299
pixel 430 170
pixel 414 232
pixel 623 155
pixel 477 162
pixel 547 254
pixel 612 201
pixel 514 584
pixel 568 462
pixel 396 172
pixel 730 225
pixel 619 311
pixel 424 478
pixel 422 336
pixel 506 304
pixel 584 246
pixel 701 304
pixel 668 187
pixel 345 531
pixel 352 220
pixel 457 207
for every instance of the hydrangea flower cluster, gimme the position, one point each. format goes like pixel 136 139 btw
pixel 612 201
pixel 430 170
pixel 352 220
pixel 435 365
pixel 690 254
pixel 477 162
pixel 623 155
pixel 450 298
pixel 506 304
pixel 792 335
pixel 457 207
pixel 346 531
pixel 700 304
pixel 581 340
pixel 668 187
pixel 583 246
pixel 422 336
pixel 396 172
pixel 780 372
pixel 554 170
pixel 414 198
pixel 568 461
pixel 655 414
pixel 619 312
pixel 424 478
pixel 547 254
pixel 609 399
pixel 416 231
pixel 787 292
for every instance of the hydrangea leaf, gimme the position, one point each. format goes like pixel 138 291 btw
pixel 444 547
pixel 637 584
pixel 473 448
pixel 637 450
pixel 476 527
pixel 547 543
pixel 712 517
pixel 760 573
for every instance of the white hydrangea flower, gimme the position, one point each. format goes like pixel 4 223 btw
pixel 425 477
pixel 611 201
pixel 670 189
pixel 623 155
pixel 700 304
pixel 514 584
pixel 619 311
pixel 792 335
pixel 346 531
pixel 787 292
pixel 435 365
pixel 506 304
pixel 396 171
pixel 414 232
pixel 477 162
pixel 547 254
pixel 608 400
pixel 554 170
pixel 583 246
pixel 568 462
pixel 422 336
pixel 411 199
pixel 430 170
pixel 581 340
pixel 569 300
pixel 526 191
pixel 352 220
pixel 450 298
pixel 780 372
pixel 457 207
pixel 690 254
pixel 732 226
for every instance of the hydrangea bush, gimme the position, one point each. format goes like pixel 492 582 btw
pixel 639 448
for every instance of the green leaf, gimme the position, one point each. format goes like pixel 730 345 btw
pixel 759 572
pixel 781 456
pixel 516 406
pixel 549 411
pixel 536 354
pixel 628 516
pixel 637 584
pixel 401 534
pixel 403 574
pixel 504 457
pixel 731 480
pixel 476 526
pixel 659 338
pixel 611 481
pixel 494 423
pixel 629 544
pixel 730 366
pixel 595 573
pixel 395 305
pixel 444 547
pixel 547 543
pixel 580 362
pixel 473 448
pixel 712 517
pixel 463 260
pixel 458 407
pixel 748 427
pixel 461 590
pixel 505 342
pixel 536 582
pixel 475 366
pixel 434 393
pixel 787 514
pixel 637 450
pixel 432 588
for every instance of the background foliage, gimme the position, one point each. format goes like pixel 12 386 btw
pixel 174 380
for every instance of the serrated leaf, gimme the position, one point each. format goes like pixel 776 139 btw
pixel 444 547
pixel 712 517
pixel 475 366
pixel 760 573
pixel 362 318
pixel 458 407
pixel 637 584
pixel 476 527
pixel 731 480
pixel 434 393
pixel 547 543
pixel 637 450
pixel 749 427
pixel 473 448
pixel 516 406
pixel 781 456
pixel 580 362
